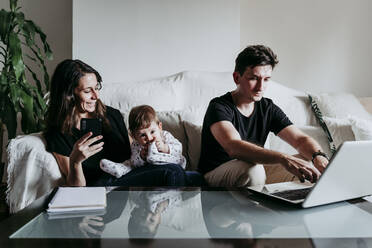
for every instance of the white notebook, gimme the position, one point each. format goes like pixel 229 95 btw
pixel 76 199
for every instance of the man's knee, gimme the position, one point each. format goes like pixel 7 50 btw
pixel 237 173
pixel 249 174
pixel 255 175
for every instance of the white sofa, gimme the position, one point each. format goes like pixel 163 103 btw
pixel 180 100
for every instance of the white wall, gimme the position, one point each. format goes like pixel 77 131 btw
pixel 322 45
pixel 131 40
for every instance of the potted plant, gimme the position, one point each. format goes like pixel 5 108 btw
pixel 23 47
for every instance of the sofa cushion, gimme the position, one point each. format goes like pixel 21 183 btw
pixel 172 123
pixel 180 91
pixel 293 102
pixel 193 134
pixel 362 129
pixel 340 105
pixel 340 130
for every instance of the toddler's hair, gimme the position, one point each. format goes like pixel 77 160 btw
pixel 141 117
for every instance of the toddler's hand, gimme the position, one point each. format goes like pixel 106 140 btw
pixel 162 147
pixel 144 152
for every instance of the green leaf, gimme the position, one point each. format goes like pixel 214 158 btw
pixel 4 24
pixel 13 5
pixel 47 50
pixel 20 17
pixel 28 121
pixel 3 80
pixel 42 66
pixel 16 51
pixel 42 104
pixel 29 33
pixel 34 76
pixel 14 96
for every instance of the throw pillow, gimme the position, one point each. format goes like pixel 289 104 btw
pixel 193 134
pixel 319 117
pixel 362 129
pixel 340 130
pixel 340 105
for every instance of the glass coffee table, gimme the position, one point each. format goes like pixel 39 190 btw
pixel 192 217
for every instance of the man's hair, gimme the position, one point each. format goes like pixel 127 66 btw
pixel 253 56
pixel 141 117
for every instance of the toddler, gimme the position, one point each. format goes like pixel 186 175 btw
pixel 151 144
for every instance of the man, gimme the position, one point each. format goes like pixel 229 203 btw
pixel 237 124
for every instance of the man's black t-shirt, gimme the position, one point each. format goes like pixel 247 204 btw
pixel 116 145
pixel 266 117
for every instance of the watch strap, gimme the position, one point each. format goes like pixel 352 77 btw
pixel 319 153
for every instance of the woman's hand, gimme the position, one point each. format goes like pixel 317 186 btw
pixel 301 168
pixel 83 148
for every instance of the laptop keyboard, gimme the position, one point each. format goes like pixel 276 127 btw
pixel 296 194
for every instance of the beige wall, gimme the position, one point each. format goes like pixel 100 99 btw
pixel 55 19
pixel 323 45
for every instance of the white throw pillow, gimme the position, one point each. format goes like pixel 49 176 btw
pixel 294 103
pixel 362 129
pixel 193 133
pixel 340 105
pixel 340 130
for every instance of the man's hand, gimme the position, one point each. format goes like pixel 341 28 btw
pixel 161 146
pixel 320 163
pixel 301 168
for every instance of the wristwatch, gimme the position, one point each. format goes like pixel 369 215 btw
pixel 319 153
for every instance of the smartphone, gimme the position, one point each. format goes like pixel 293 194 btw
pixel 91 125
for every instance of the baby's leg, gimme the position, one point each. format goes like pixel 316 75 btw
pixel 115 169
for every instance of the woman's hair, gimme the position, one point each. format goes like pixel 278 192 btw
pixel 62 109
pixel 141 117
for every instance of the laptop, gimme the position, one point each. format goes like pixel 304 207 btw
pixel 347 176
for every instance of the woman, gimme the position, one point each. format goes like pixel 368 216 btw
pixel 74 95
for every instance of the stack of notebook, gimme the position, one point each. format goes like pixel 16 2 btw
pixel 77 199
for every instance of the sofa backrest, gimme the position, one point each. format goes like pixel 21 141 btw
pixel 189 92
pixel 185 97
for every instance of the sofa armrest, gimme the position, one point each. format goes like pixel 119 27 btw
pixel 32 171
pixel 367 103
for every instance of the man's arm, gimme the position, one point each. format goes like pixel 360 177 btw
pixel 228 137
pixel 304 144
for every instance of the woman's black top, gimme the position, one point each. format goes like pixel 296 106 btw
pixel 116 145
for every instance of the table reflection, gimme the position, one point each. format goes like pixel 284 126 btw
pixel 223 216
